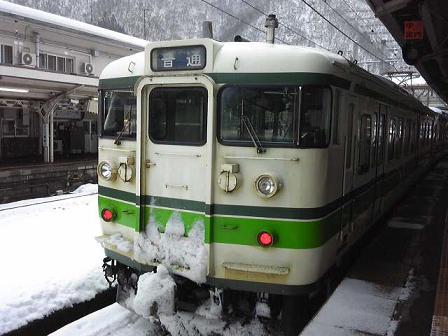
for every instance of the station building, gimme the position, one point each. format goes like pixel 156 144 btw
pixel 49 69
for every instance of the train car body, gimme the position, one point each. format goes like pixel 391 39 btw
pixel 267 161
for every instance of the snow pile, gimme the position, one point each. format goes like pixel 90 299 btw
pixel 185 324
pixel 121 244
pixel 113 320
pixel 212 308
pixel 88 188
pixel 155 294
pixel 262 309
pixel 184 255
pixel 51 257
pixel 119 321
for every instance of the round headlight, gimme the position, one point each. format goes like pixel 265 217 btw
pixel 107 171
pixel 266 186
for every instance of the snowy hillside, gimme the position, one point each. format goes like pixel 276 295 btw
pixel 300 22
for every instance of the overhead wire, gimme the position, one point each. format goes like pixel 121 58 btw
pixel 294 31
pixel 345 34
pixel 239 19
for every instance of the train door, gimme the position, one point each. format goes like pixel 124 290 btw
pixel 363 173
pixel 177 158
pixel 349 140
pixel 380 141
pixel 349 112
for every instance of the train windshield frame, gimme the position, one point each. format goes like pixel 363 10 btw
pixel 118 114
pixel 275 115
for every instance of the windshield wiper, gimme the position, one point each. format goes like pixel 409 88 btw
pixel 251 130
pixel 125 125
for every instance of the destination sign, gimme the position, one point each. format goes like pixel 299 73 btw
pixel 178 58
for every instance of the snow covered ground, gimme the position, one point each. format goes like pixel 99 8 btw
pixel 118 321
pixel 155 315
pixel 50 259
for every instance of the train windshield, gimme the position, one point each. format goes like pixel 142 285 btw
pixel 275 116
pixel 119 114
pixel 178 115
pixel 265 113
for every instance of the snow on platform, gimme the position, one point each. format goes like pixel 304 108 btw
pixel 50 259
pixel 118 321
pixel 359 307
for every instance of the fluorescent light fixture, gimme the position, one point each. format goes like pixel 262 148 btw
pixel 13 90
pixel 95 98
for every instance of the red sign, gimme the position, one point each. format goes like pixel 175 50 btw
pixel 413 30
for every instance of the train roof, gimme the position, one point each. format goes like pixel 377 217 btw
pixel 253 57
pixel 233 58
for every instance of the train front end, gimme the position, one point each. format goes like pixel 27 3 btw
pixel 218 164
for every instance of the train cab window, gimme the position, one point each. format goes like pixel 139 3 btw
pixel 264 114
pixel 118 114
pixel 315 114
pixel 178 115
pixel 365 141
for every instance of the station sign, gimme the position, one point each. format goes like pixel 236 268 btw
pixel 413 30
pixel 178 58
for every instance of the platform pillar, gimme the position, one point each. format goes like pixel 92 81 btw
pixel 46 140
pixel 51 136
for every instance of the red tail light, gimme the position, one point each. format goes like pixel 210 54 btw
pixel 107 215
pixel 265 239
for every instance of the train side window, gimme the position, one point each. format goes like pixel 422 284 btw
pixel 381 136
pixel 118 114
pixel 178 115
pixel 407 136
pixel 365 141
pixel 374 140
pixel 348 157
pixel 315 115
pixel 399 138
pixel 392 139
pixel 337 103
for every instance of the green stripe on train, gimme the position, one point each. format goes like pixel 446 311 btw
pixel 234 230
pixel 287 234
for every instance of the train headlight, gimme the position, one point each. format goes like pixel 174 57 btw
pixel 267 186
pixel 107 171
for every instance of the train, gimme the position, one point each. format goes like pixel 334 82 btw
pixel 250 168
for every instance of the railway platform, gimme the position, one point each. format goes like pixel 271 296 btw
pixel 399 283
pixel 23 180
pixel 439 325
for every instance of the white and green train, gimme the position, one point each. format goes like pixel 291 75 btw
pixel 251 166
